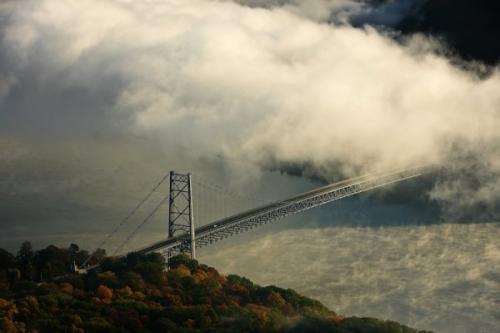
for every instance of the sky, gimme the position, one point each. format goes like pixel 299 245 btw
pixel 99 99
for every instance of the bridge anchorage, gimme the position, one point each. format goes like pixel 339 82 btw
pixel 185 238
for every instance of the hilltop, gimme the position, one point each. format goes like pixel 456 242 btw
pixel 136 294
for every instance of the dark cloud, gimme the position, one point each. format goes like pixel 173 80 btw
pixel 469 28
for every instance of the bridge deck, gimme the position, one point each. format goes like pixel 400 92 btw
pixel 217 230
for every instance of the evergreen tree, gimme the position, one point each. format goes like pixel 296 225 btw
pixel 24 260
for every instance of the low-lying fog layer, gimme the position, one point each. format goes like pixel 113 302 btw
pixel 442 277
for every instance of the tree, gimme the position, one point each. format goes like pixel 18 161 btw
pixel 150 267
pixel 73 248
pixel 7 259
pixel 183 259
pixel 77 255
pixel 53 261
pixel 104 292
pixel 80 257
pixel 97 256
pixel 25 260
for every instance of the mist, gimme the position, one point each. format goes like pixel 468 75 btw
pixel 433 278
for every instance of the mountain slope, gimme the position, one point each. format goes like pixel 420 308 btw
pixel 135 294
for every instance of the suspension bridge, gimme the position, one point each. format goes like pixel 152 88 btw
pixel 220 219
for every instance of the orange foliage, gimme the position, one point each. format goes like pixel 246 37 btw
pixel 180 272
pixel 8 308
pixel 274 299
pixel 336 318
pixel 222 279
pixel 260 312
pixel 237 289
pixel 4 304
pixel 8 326
pixel 211 272
pixel 104 292
pixel 233 304
pixel 173 299
pixel 189 323
pixel 66 288
pixel 106 301
pixel 200 276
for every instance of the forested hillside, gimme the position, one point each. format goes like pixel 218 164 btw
pixel 137 294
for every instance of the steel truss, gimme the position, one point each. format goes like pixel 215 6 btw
pixel 180 214
pixel 245 221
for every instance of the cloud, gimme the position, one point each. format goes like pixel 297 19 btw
pixel 383 13
pixel 316 10
pixel 184 81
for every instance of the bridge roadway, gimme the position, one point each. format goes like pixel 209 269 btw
pixel 241 222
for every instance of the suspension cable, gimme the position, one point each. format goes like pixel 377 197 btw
pixel 151 214
pixel 127 217
pixel 219 188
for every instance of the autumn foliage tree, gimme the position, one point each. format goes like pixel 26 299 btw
pixel 137 293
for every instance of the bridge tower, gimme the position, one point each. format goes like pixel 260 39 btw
pixel 180 211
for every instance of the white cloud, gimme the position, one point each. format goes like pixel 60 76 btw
pixel 212 77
